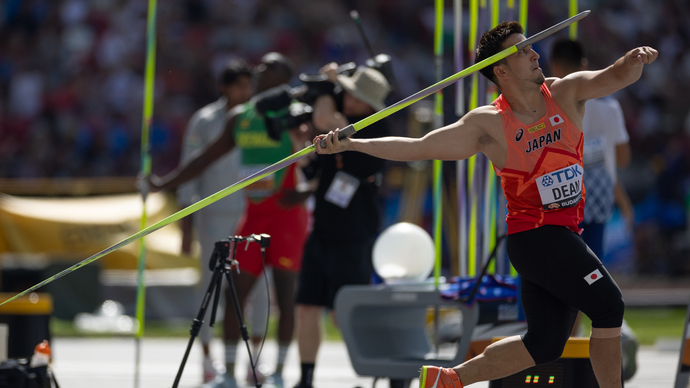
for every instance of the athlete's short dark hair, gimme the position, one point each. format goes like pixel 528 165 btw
pixel 234 69
pixel 492 43
pixel 279 63
pixel 569 53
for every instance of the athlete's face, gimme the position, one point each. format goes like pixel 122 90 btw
pixel 524 64
pixel 239 91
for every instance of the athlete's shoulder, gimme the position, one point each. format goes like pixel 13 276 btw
pixel 560 86
pixel 549 81
pixel 239 111
pixel 209 112
pixel 485 115
pixel 484 121
pixel 483 112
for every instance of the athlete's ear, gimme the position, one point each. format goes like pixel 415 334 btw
pixel 500 71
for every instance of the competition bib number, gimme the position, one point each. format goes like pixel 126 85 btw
pixel 264 187
pixel 342 189
pixel 561 188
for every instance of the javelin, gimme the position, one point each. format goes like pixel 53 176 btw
pixel 349 130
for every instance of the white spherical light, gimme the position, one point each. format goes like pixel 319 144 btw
pixel 403 253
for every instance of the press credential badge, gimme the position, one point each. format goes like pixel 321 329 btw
pixel 342 189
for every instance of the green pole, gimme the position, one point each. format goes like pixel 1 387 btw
pixel 572 30
pixel 146 172
pixel 524 5
pixel 438 122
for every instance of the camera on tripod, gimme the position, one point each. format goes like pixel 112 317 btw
pixel 285 107
pixel 221 249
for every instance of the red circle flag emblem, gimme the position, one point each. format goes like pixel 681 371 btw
pixel 593 276
pixel 555 120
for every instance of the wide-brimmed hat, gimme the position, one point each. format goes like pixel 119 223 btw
pixel 367 85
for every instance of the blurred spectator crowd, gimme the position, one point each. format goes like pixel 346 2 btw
pixel 71 79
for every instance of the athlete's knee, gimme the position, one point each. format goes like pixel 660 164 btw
pixel 610 314
pixel 545 347
pixel 606 333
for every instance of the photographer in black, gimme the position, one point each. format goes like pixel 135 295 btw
pixel 345 201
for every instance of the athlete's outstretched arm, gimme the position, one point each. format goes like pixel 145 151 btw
pixel 456 141
pixel 587 85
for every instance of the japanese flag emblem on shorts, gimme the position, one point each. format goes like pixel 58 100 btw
pixel 593 277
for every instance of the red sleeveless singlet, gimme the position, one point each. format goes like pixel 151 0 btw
pixel 542 178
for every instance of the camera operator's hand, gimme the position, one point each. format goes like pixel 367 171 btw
pixel 331 71
pixel 333 144
pixel 326 116
pixel 142 184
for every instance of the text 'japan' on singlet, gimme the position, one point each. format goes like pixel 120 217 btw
pixel 542 177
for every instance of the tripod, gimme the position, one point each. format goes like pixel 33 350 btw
pixel 221 263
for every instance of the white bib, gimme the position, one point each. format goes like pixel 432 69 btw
pixel 561 188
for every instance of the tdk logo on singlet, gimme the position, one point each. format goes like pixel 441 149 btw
pixel 543 140
pixel 561 188
pixel 567 176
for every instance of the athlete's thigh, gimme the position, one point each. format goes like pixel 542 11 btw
pixel 563 265
pixel 546 314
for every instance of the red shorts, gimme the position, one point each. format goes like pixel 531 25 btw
pixel 287 228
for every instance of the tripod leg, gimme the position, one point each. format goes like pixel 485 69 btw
pixel 216 281
pixel 240 319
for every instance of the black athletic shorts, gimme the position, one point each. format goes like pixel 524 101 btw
pixel 559 276
pixel 329 265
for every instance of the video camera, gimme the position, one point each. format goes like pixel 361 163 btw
pixel 285 107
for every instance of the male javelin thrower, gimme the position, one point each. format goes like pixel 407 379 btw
pixel 532 133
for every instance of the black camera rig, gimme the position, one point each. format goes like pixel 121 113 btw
pixel 285 107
